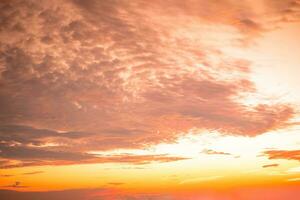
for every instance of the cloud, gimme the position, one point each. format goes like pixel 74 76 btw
pixel 17 184
pixel 21 152
pixel 81 76
pixel 6 175
pixel 27 173
pixel 293 179
pixel 294 170
pixel 283 154
pixel 212 152
pixel 270 165
pixel 116 183
pixel 201 179
pixel 33 157
pixel 33 173
pixel 26 135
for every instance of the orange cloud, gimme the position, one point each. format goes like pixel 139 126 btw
pixel 283 154
pixel 70 158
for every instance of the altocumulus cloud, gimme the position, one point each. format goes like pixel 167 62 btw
pixel 81 76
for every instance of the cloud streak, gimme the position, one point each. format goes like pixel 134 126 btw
pixel 212 152
pixel 270 165
pixel 283 154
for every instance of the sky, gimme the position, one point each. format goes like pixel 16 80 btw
pixel 161 99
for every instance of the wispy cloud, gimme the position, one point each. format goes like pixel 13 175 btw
pixel 17 184
pixel 283 154
pixel 33 173
pixel 200 179
pixel 63 159
pixel 6 175
pixel 294 170
pixel 116 183
pixel 293 179
pixel 270 165
pixel 212 152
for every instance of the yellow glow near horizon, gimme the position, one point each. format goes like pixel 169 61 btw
pixel 242 158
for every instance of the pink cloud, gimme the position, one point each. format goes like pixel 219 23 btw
pixel 99 75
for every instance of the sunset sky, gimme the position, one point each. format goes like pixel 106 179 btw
pixel 150 99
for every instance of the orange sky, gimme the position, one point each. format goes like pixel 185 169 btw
pixel 141 99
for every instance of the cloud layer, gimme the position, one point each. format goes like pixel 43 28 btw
pixel 80 76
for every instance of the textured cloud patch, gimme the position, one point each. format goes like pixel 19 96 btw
pixel 18 156
pixel 81 76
